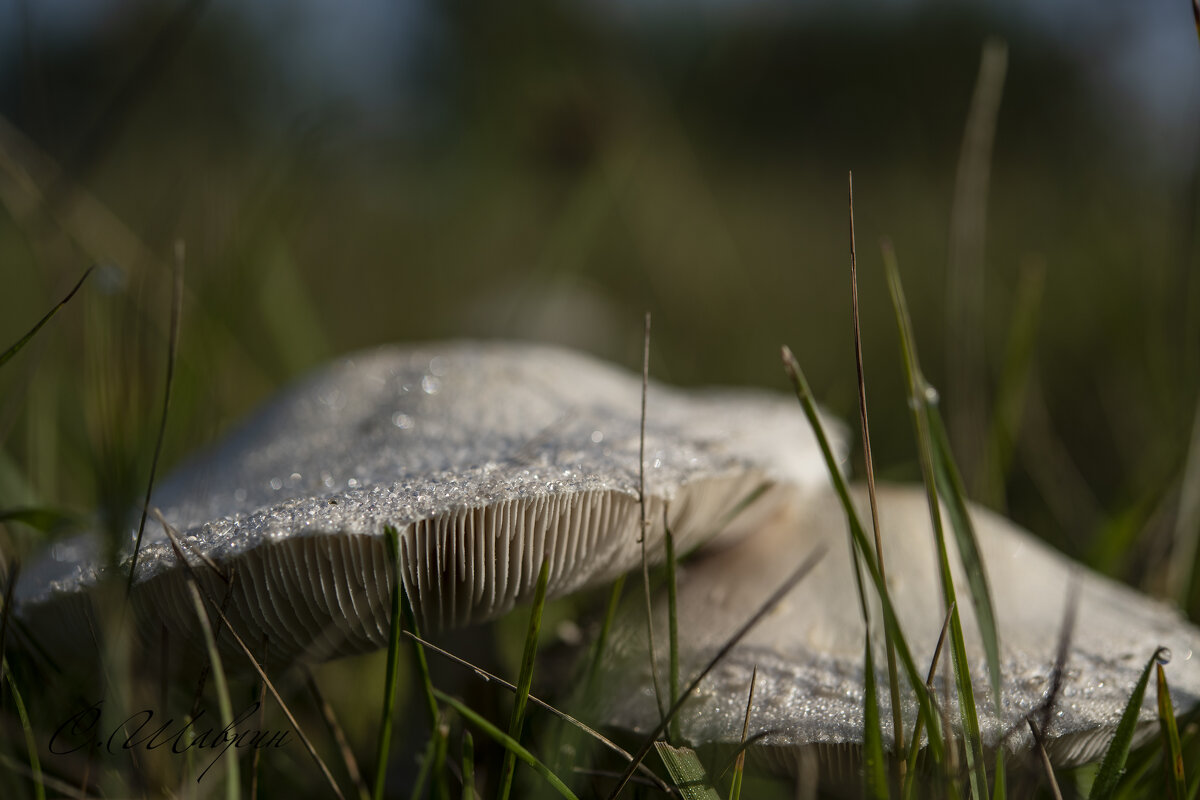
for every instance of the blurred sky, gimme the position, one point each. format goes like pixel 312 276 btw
pixel 1141 56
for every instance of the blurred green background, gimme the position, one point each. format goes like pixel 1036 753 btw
pixel 348 176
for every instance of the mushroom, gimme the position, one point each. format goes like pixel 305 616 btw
pixel 487 458
pixel 809 651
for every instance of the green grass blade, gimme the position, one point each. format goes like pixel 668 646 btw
pixel 1012 388
pixel 441 747
pixel 610 614
pixel 863 547
pixel 672 624
pixel 438 731
pixel 525 680
pixel 874 766
pixel 168 383
pixel 798 574
pixel 950 488
pixel 410 621
pixel 562 715
pixel 224 705
pixel 383 745
pixel 283 706
pixel 1113 765
pixel 910 773
pixel 7 355
pixel 687 772
pixel 1172 751
pixel 920 393
pixel 507 742
pixel 427 759
pixel 739 767
pixel 44 520
pixel 35 764
pixel 468 766
pixel 645 527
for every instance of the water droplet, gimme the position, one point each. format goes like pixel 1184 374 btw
pixel 430 384
pixel 931 395
pixel 327 480
pixel 597 437
pixel 437 366
pixel 402 421
pixel 1163 655
pixel 352 483
pixel 276 484
pixel 295 477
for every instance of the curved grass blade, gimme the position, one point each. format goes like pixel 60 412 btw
pixel 224 705
pixel 863 547
pixel 1113 765
pixel 564 716
pixel 35 765
pixel 44 520
pixel 1172 751
pixel 610 614
pixel 797 575
pixel 687 772
pixel 920 393
pixel 953 495
pixel 525 680
pixel 172 357
pixel 216 607
pixel 7 355
pixel 506 741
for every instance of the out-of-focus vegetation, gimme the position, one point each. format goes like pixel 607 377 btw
pixel 555 171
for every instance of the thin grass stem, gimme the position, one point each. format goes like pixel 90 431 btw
pixel 863 547
pixel 338 734
pixel 800 572
pixel 308 745
pixel 645 525
pixel 564 716
pixel 525 680
pixel 172 357
pixel 869 463
pixel 232 781
pixel 672 623
pixel 507 742
pixel 391 675
pixel 16 347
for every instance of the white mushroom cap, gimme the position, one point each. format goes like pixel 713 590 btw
pixel 487 458
pixel 809 650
